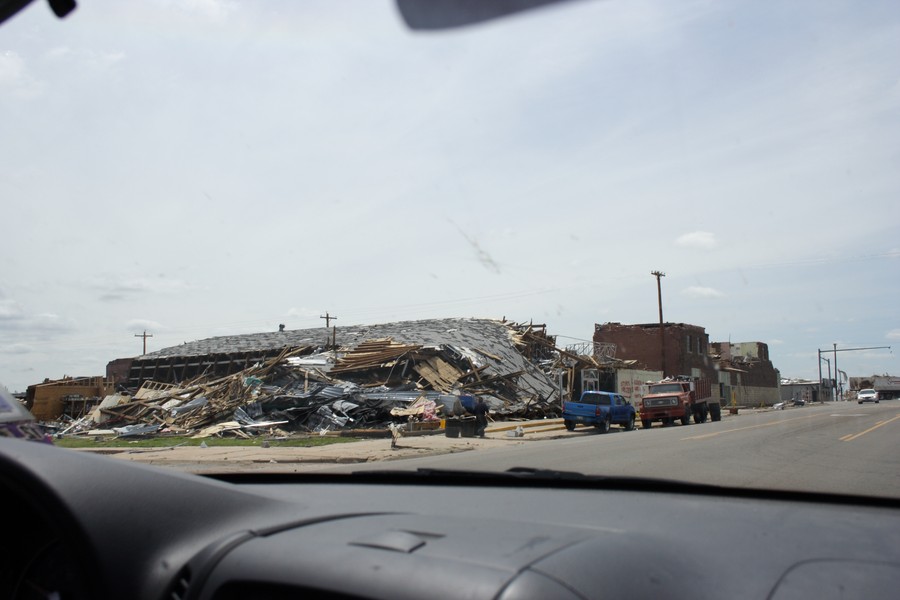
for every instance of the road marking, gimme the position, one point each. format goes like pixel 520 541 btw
pixel 709 435
pixel 851 415
pixel 853 436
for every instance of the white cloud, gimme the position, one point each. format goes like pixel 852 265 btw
pixel 141 325
pixel 45 323
pixel 15 78
pixel 118 289
pixel 10 310
pixel 16 349
pixel 12 68
pixel 58 52
pixel 13 317
pixel 50 323
pixel 302 312
pixel 696 291
pixel 893 334
pixel 214 10
pixel 90 59
pixel 703 240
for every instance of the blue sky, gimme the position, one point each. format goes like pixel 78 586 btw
pixel 202 167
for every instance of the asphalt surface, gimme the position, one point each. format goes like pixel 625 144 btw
pixel 837 447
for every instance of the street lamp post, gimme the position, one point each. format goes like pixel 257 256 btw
pixel 821 358
pixel 835 373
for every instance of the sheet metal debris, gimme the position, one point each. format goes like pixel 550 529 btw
pixel 377 378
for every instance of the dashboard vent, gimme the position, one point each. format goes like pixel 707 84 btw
pixel 180 586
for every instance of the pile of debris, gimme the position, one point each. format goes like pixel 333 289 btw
pixel 370 384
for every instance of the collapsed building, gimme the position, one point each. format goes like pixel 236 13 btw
pixel 72 397
pixel 365 376
pixel 887 386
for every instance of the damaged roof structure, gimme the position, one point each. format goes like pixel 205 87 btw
pixel 346 377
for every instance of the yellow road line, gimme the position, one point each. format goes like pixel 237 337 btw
pixel 709 435
pixel 850 438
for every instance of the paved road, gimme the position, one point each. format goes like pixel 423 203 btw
pixel 838 447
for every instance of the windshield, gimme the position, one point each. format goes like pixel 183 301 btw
pixel 310 229
pixel 666 388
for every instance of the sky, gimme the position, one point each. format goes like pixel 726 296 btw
pixel 194 168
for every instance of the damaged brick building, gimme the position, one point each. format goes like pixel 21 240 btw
pixel 743 371
pixel 746 375
pixel 686 347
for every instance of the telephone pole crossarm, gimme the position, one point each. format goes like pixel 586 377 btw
pixel 144 335
pixel 328 319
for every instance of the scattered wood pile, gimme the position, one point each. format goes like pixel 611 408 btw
pixel 370 385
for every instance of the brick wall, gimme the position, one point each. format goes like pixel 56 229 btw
pixel 686 346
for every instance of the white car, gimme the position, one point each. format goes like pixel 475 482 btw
pixel 868 395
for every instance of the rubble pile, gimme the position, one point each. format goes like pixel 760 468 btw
pixel 373 383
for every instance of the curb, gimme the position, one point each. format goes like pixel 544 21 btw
pixel 523 424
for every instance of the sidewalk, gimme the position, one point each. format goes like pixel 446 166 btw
pixel 215 458
pixel 274 458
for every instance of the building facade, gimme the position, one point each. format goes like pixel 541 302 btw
pixel 746 375
pixel 682 349
pixel 741 374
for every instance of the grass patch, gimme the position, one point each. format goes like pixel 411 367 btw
pixel 168 441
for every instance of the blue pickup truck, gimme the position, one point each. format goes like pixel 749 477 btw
pixel 600 409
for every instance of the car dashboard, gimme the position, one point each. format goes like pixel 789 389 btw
pixel 87 526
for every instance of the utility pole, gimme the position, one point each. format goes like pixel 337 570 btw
pixel 144 335
pixel 662 327
pixel 837 375
pixel 328 319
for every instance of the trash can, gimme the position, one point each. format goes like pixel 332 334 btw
pixel 451 428
pixel 467 427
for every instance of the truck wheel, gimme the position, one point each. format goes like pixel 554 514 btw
pixel 570 425
pixel 630 424
pixel 646 423
pixel 701 415
pixel 603 426
pixel 686 419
